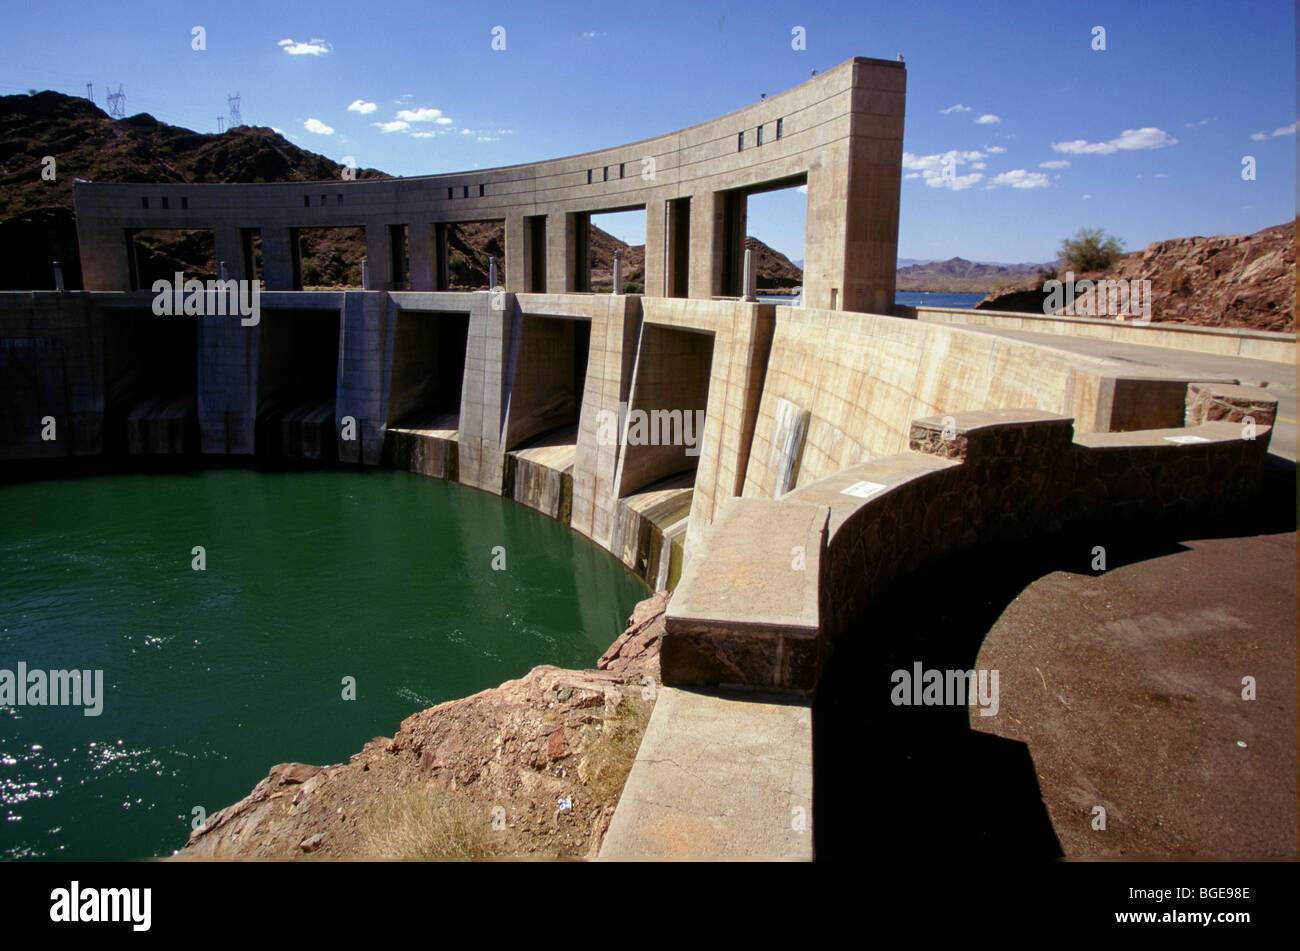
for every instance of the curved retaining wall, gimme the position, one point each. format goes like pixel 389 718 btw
pixel 839 133
pixel 776 582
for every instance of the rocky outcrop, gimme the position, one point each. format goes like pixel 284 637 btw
pixel 532 767
pixel 1246 281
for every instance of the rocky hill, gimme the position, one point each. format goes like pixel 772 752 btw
pixel 1241 280
pixel 37 224
pixel 958 274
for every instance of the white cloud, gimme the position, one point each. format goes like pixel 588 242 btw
pixel 312 47
pixel 994 149
pixel 443 120
pixel 979 165
pixel 1147 137
pixel 908 175
pixel 1259 136
pixel 397 125
pixel 1055 163
pixel 1020 178
pixel 1161 175
pixel 592 34
pixel 956 184
pixel 320 128
pixel 987 119
pixel 424 135
pixel 423 114
pixel 957 108
pixel 1193 125
pixel 363 107
pixel 1087 196
pixel 1287 129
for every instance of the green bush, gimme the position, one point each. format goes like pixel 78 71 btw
pixel 632 287
pixel 1090 250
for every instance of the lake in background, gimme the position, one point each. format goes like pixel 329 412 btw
pixel 907 299
pixel 212 677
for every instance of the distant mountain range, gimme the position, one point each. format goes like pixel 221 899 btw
pixel 958 274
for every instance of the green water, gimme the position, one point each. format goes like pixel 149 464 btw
pixel 211 677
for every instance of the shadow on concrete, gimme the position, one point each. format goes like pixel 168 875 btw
pixel 916 782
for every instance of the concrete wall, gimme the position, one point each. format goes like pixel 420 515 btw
pixel 840 133
pixel 774 584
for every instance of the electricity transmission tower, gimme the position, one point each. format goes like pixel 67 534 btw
pixel 219 121
pixel 117 103
pixel 90 92
pixel 235 117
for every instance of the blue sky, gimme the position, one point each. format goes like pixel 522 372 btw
pixel 1154 128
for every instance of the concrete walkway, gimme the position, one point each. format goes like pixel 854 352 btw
pixel 718 776
pixel 1281 377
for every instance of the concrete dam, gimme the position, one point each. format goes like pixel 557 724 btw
pixel 778 466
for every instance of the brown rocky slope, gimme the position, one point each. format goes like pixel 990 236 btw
pixel 1241 280
pixel 481 777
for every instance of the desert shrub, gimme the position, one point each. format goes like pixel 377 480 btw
pixel 1090 250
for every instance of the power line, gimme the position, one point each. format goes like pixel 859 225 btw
pixel 235 117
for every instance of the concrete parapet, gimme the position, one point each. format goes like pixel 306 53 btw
pixel 745 612
pixel 968 478
pixel 1226 341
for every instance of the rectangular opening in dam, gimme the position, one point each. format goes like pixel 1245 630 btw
pixel 463 253
pixel 535 257
pixel 428 370
pixel 297 370
pixel 778 218
pixel 778 209
pixel 664 430
pixel 399 263
pixel 605 230
pixel 155 254
pixel 677 250
pixel 327 258
pixel 150 383
pixel 250 254
pixel 548 380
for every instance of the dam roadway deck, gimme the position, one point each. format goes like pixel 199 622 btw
pixel 1280 378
